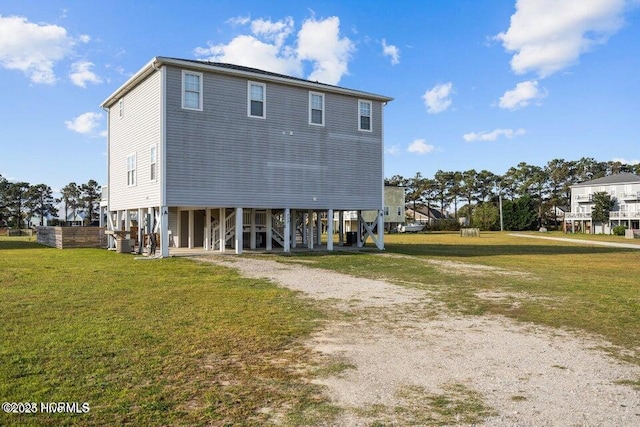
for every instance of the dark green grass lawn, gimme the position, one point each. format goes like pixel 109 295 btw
pixel 151 342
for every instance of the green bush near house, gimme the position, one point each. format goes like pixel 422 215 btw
pixel 619 230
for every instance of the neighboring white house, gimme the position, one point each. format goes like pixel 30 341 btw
pixel 393 212
pixel 624 189
pixel 216 156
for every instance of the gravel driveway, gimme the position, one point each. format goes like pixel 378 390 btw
pixel 404 353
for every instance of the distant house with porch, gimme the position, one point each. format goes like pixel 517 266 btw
pixel 219 156
pixel 624 189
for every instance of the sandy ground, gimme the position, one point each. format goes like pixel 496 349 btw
pixel 402 348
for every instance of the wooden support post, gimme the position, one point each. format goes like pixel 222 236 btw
pixel 330 230
pixel 318 228
pixel 304 228
pixel 359 241
pixel 310 229
pixel 252 230
pixel 293 228
pixel 191 229
pixel 111 242
pixel 269 224
pixel 380 242
pixel 340 228
pixel 239 226
pixel 223 229
pixel 207 230
pixel 140 230
pixel 127 223
pixel 164 231
pixel 287 230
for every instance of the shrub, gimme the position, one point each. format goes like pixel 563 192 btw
pixel 619 230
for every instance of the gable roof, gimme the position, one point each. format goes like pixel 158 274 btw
pixel 427 211
pixel 232 69
pixel 618 178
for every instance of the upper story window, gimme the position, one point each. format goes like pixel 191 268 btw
pixel 364 114
pixel 316 108
pixel 121 108
pixel 256 102
pixel 131 169
pixel 154 162
pixel 191 90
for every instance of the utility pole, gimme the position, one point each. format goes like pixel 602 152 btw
pixel 500 200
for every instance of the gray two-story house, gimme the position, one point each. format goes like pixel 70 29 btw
pixel 218 156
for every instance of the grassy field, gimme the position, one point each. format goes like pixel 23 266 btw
pixel 583 288
pixel 176 342
pixel 164 342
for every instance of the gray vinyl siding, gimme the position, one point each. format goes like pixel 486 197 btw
pixel 135 132
pixel 221 157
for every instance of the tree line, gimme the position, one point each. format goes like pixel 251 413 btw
pixel 532 194
pixel 20 202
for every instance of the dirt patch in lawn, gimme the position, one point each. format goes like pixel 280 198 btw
pixel 399 358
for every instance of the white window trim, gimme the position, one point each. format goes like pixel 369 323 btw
pixel 153 161
pixel 134 177
pixel 370 115
pixel 323 108
pixel 183 91
pixel 264 100
pixel 121 108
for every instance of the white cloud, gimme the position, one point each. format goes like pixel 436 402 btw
pixel 81 74
pixel 438 99
pixel 420 146
pixel 625 161
pixel 274 31
pixel 549 35
pixel 393 150
pixel 391 51
pixel 521 95
pixel 86 123
pixel 239 20
pixel 320 43
pixel 33 48
pixel 249 51
pixel 317 42
pixel 493 135
pixel 84 38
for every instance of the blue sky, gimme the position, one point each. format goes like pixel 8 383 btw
pixel 477 84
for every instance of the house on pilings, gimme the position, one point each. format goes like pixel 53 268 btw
pixel 224 157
